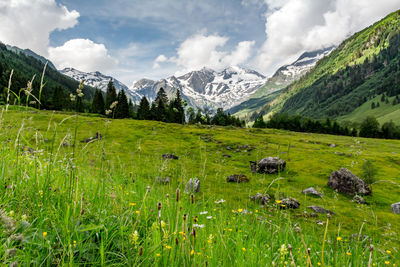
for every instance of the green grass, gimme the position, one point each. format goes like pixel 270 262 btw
pixel 92 200
pixel 383 113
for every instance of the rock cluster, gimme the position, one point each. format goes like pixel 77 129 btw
pixel 344 181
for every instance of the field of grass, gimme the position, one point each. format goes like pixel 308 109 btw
pixel 67 202
pixel 383 113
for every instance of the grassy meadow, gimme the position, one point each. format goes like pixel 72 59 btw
pixel 67 202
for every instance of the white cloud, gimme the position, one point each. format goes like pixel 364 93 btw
pixel 82 54
pixel 159 59
pixel 294 26
pixel 201 51
pixel 28 24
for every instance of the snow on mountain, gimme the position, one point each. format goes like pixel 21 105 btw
pixel 100 81
pixel 206 89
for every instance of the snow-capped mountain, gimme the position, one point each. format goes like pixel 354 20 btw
pixel 284 76
pixel 100 81
pixel 206 89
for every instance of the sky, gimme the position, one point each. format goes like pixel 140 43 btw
pixel 135 39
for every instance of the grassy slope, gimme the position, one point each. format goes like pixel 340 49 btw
pixel 384 113
pixel 346 55
pixel 135 147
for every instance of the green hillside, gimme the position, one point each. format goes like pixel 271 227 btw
pixel 68 202
pixel 362 67
pixel 25 67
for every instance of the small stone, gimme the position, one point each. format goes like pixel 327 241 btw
pixel 359 199
pixel 269 165
pixel 163 180
pixel 312 191
pixel 237 178
pixel 321 210
pixel 193 186
pixel 289 203
pixel 10 253
pixel 262 199
pixel 332 145
pixel 395 208
pixel 169 156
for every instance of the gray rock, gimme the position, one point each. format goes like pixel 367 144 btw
pixel 10 253
pixel 319 209
pixel 332 145
pixel 163 180
pixel 97 136
pixel 289 203
pixel 395 208
pixel 169 156
pixel 268 165
pixel 312 191
pixel 359 199
pixel 237 178
pixel 262 199
pixel 193 186
pixel 227 156
pixel 344 181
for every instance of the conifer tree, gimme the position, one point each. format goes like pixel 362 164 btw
pixel 176 110
pixel 58 99
pixel 161 102
pixel 98 102
pixel 111 94
pixel 122 108
pixel 143 112
pixel 259 122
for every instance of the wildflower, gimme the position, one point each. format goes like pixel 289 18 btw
pixel 192 252
pixel 168 247
pixel 11 213
pixel 388 251
pixel 233 211
pixel 74 243
pixel 108 112
pixel 198 225
pixel 348 253
pixel 209 217
pixel 44 234
pixel 240 210
pixel 163 224
pixel 137 212
pixel 278 201
pixel 230 230
pixel 134 237
pixel 72 97
pixel 158 255
pixel 113 104
pixel 220 201
pixel 203 212
pixel 387 262
pixel 24 217
pixel 283 250
pixel 339 238
pixel 256 211
pixel 319 264
pixel 244 249
pixel 132 204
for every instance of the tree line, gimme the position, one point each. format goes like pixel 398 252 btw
pixel 369 127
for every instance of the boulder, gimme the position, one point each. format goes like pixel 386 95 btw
pixel 268 165
pixel 319 209
pixel 193 186
pixel 359 199
pixel 163 180
pixel 289 203
pixel 262 199
pixel 237 178
pixel 396 208
pixel 312 191
pixel 169 156
pixel 344 181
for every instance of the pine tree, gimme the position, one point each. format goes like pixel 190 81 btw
pixel 111 94
pixel 122 108
pixel 132 113
pixel 369 127
pixel 143 112
pixel 98 103
pixel 58 99
pixel 373 105
pixel 161 102
pixel 191 115
pixel 176 110
pixel 259 122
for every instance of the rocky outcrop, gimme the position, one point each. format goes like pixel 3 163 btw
pixel 268 165
pixel 344 181
pixel 237 178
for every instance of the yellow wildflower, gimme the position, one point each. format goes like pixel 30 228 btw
pixel 192 252
pixel 244 249
pixel 158 255
pixel 278 201
pixel 137 212
pixel 240 210
pixel 44 234
pixel 388 251
pixel 348 253
pixel 168 247
pixel 387 262
pixel 339 238
pixel 132 204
